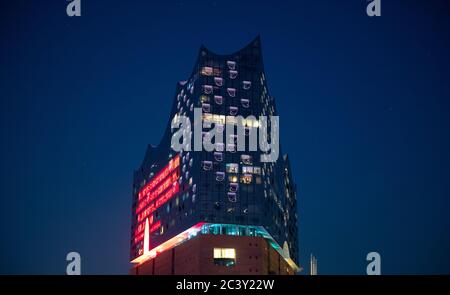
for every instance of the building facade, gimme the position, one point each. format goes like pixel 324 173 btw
pixel 210 208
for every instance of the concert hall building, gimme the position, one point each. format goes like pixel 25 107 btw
pixel 223 211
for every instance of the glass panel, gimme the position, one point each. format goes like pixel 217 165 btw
pixel 206 107
pixel 247 169
pixel 218 156
pixel 232 178
pixel 207 89
pixel 247 178
pixel 245 102
pixel 231 65
pixel 207 71
pixel 232 197
pixel 232 168
pixel 233 111
pixel 246 159
pixel 218 81
pixel 233 74
pixel 218 99
pixel 231 147
pixel 220 176
pixel 204 98
pixel 207 165
pixel 231 92
pixel 219 147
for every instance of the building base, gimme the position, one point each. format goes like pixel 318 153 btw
pixel 244 255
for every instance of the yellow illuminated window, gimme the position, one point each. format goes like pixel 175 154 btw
pixel 229 253
pixel 246 178
pixel 204 98
pixel 233 178
pixel 207 71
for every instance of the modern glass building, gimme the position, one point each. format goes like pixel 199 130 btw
pixel 214 206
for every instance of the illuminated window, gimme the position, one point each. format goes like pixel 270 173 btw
pixel 224 256
pixel 218 99
pixel 204 98
pixel 247 169
pixel 246 178
pixel 231 92
pixel 245 103
pixel 233 74
pixel 218 81
pixel 246 84
pixel 232 178
pixel 257 170
pixel 232 168
pixel 231 65
pixel 207 71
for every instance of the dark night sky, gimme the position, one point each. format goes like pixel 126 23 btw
pixel 363 104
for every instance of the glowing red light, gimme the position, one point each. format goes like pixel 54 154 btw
pixel 158 202
pixel 178 239
pixel 174 163
pixel 158 191
pixel 152 229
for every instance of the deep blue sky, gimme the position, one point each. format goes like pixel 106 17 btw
pixel 363 104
